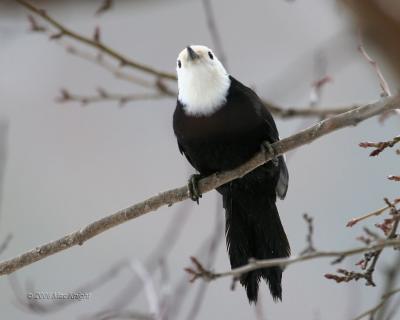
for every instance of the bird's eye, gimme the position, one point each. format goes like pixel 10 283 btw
pixel 179 64
pixel 210 55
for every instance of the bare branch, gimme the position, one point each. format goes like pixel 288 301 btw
pixel 382 82
pixel 371 312
pixel 103 95
pixel 379 146
pixel 375 213
pixel 64 31
pixel 199 272
pixel 168 198
pixel 310 244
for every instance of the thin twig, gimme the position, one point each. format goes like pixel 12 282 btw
pixel 167 198
pixel 103 96
pixel 64 31
pixel 375 213
pixel 382 82
pixel 309 238
pixel 379 146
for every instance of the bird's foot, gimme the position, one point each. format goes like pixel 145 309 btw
pixel 193 186
pixel 268 150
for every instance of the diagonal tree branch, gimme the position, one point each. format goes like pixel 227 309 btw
pixel 168 198
pixel 95 43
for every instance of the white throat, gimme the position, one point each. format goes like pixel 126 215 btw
pixel 203 83
pixel 202 92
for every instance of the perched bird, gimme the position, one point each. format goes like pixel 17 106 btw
pixel 219 124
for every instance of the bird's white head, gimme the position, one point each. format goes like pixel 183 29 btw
pixel 203 82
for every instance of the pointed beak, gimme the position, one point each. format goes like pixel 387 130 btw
pixel 192 54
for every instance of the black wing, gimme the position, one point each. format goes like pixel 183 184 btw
pixel 273 135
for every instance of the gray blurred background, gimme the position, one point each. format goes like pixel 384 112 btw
pixel 63 165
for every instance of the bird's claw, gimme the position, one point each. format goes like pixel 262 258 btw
pixel 269 150
pixel 193 186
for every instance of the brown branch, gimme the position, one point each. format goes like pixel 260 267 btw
pixel 382 82
pixel 95 43
pixel 375 213
pixel 168 198
pixel 102 96
pixel 197 271
pixel 379 146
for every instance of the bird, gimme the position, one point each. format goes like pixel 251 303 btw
pixel 219 124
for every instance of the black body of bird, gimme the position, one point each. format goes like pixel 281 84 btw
pixel 222 139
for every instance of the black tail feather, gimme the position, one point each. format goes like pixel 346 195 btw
pixel 254 230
